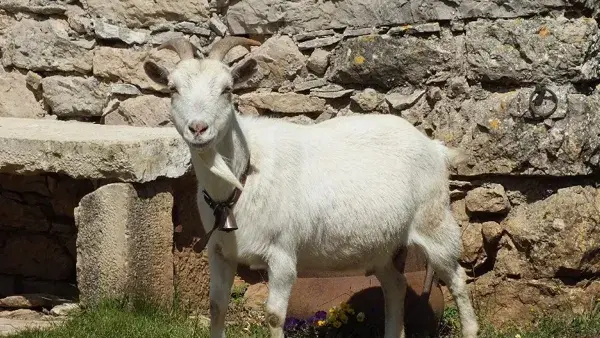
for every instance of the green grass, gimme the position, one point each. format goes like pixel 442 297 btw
pixel 115 319
pixel 565 326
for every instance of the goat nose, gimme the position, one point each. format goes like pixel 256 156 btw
pixel 198 128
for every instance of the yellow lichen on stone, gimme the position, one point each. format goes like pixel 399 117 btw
pixel 544 32
pixel 359 60
pixel 494 124
pixel 367 38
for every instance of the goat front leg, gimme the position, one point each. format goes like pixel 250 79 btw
pixel 222 272
pixel 282 276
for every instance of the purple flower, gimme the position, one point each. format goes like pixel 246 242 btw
pixel 320 315
pixel 290 323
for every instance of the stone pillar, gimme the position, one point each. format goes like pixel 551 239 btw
pixel 125 242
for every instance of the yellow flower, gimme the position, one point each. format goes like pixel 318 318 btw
pixel 343 318
pixel 321 323
pixel 351 311
pixel 337 324
pixel 360 317
pixel 517 336
pixel 344 306
pixel 333 309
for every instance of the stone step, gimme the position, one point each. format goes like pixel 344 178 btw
pixel 91 151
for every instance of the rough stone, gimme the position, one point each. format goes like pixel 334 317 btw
pixel 75 96
pixel 392 61
pixel 318 61
pixel 368 99
pixel 22 314
pixel 300 119
pixel 488 199
pixel 349 32
pixel 64 309
pixel 125 89
pixel 90 151
pixel 499 133
pixel 44 257
pixel 141 13
pixel 278 59
pixel 235 54
pixel 192 28
pixel 472 241
pixel 430 27
pixel 146 110
pixel 319 42
pixel 33 80
pixel 289 103
pixel 272 16
pixel 331 94
pixel 533 50
pixel 516 301
pixel 400 101
pixel 107 31
pixel 45 7
pixel 310 84
pixel 558 237
pixel 217 25
pixel 46 46
pixel 127 65
pixel 162 37
pixel 78 20
pixel 16 100
pixel 29 301
pixel 314 34
pixel 125 242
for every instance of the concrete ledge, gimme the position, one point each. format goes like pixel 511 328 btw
pixel 91 151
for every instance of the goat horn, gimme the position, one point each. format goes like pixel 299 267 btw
pixel 221 47
pixel 181 46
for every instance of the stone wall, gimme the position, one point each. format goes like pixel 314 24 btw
pixel 461 71
pixel 37 234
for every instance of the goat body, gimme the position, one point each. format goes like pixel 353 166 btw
pixel 343 194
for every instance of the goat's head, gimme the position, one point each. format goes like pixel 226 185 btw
pixel 201 104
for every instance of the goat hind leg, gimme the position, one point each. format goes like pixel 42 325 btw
pixel 393 285
pixel 282 276
pixel 443 250
pixel 222 273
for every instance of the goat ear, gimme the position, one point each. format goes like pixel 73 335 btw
pixel 243 69
pixel 157 73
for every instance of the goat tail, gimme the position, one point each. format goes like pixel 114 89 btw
pixel 453 156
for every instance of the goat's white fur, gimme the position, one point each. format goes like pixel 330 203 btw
pixel 342 194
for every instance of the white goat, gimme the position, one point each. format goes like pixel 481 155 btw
pixel 347 193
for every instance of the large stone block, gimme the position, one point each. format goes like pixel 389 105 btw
pixel 125 242
pixel 532 50
pixel 506 302
pixel 271 16
pixel 502 136
pixel 556 237
pixel 91 151
pixel 16 99
pixel 146 110
pixel 75 96
pixel 278 59
pixel 392 61
pixel 127 65
pixel 46 46
pixel 141 13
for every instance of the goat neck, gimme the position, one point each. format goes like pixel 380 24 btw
pixel 219 170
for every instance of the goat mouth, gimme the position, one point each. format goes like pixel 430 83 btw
pixel 200 145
